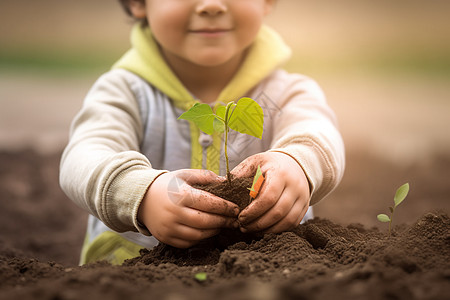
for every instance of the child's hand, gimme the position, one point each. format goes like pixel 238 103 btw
pixel 179 215
pixel 284 196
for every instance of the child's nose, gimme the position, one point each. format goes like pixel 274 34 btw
pixel 211 7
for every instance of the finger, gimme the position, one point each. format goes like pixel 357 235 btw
pixel 209 203
pixel 192 176
pixel 247 168
pixel 282 208
pixel 203 220
pixel 184 195
pixel 291 220
pixel 266 199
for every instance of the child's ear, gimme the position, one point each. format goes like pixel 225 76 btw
pixel 268 6
pixel 137 8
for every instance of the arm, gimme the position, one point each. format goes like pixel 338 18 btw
pixel 307 131
pixel 310 160
pixel 101 169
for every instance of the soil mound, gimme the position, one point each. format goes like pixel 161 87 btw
pixel 317 260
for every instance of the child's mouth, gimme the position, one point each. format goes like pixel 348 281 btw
pixel 210 32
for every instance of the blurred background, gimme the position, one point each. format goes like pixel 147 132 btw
pixel 384 66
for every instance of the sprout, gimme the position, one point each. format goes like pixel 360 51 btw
pixel 201 276
pixel 400 195
pixel 245 116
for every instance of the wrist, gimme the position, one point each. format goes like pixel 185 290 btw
pixel 143 208
pixel 140 217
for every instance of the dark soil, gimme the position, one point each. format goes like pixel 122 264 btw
pixel 41 233
pixel 318 260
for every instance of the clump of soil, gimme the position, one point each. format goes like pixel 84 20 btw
pixel 316 260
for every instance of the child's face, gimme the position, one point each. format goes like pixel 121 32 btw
pixel 203 32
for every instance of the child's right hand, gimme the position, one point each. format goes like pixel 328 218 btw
pixel 179 215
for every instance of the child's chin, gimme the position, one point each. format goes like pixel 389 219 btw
pixel 212 60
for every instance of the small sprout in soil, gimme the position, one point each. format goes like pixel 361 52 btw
pixel 201 276
pixel 244 116
pixel 400 195
pixel 257 183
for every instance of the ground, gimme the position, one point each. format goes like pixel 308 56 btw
pixel 41 233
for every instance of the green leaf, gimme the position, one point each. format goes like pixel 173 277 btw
pixel 383 218
pixel 202 276
pixel 401 194
pixel 255 179
pixel 219 120
pixel 202 116
pixel 218 125
pixel 247 117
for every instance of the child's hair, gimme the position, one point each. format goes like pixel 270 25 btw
pixel 126 7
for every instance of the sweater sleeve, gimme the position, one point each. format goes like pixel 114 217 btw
pixel 101 168
pixel 306 129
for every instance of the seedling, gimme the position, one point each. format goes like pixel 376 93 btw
pixel 201 276
pixel 244 116
pixel 400 195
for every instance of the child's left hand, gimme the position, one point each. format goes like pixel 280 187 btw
pixel 284 196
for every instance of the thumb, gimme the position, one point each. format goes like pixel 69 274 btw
pixel 247 168
pixel 201 177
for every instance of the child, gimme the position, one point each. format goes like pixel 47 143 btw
pixel 130 163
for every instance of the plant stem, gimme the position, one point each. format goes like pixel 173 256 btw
pixel 227 129
pixel 390 222
pixel 226 156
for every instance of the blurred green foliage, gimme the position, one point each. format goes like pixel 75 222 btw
pixel 416 62
pixel 56 61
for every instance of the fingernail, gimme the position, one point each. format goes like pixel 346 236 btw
pixel 235 224
pixel 243 230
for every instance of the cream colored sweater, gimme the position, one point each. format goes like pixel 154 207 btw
pixel 127 132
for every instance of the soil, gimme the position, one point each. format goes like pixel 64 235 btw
pixel 41 233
